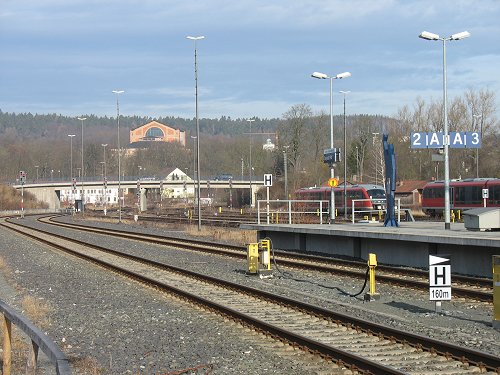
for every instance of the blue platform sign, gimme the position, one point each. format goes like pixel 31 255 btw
pixel 437 140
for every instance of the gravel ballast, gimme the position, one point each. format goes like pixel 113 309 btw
pixel 129 328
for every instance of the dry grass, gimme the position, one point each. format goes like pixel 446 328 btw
pixel 10 199
pixel 37 310
pixel 238 236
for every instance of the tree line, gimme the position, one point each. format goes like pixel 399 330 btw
pixel 39 144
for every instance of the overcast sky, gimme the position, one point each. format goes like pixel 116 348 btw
pixel 66 56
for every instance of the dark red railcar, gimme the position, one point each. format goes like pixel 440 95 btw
pixel 464 194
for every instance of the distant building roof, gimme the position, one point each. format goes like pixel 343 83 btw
pixel 409 186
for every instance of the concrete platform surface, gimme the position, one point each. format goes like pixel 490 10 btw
pixel 409 245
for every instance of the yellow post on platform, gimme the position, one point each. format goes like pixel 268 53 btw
pixel 253 257
pixel 372 293
pixel 496 292
pixel 459 215
pixel 452 216
pixel 220 209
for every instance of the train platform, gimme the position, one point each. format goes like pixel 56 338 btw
pixel 408 245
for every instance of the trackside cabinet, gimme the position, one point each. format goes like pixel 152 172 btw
pixel 496 291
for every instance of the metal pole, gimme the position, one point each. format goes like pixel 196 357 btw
pixel 285 161
pixel 332 170
pixel 446 142
pixel 250 162
pixel 345 164
pixel 197 126
pixel 118 92
pixel 197 137
pixel 82 119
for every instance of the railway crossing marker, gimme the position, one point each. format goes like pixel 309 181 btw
pixel 439 280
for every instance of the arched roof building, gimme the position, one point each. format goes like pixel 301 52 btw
pixel 155 131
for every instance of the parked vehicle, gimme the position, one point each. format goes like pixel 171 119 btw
pixel 223 177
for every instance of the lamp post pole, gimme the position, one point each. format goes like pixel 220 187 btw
pixel 82 119
pixel 37 166
pixel 71 156
pixel 285 164
pixel 345 159
pixel 118 92
pixel 375 135
pixel 250 162
pixel 474 117
pixel 430 36
pixel 332 169
pixel 104 158
pixel 194 166
pixel 195 39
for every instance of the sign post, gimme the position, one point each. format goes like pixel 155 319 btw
pixel 439 280
pixel 268 182
pixel 485 196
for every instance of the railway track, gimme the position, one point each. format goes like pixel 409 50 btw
pixel 479 289
pixel 346 342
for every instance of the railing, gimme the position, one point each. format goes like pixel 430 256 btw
pixel 371 211
pixel 285 207
pixel 38 341
pixel 273 208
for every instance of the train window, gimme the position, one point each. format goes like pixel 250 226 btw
pixel 468 194
pixel 494 194
pixel 376 193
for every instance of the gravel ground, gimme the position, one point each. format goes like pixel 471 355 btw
pixel 129 328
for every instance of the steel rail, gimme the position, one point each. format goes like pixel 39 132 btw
pixel 295 260
pixel 480 359
pixel 340 357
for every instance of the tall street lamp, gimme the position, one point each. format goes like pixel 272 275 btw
pixel 82 119
pixel 250 161
pixel 332 170
pixel 195 39
pixel 118 92
pixel 37 166
pixel 430 36
pixel 345 159
pixel 474 117
pixel 71 156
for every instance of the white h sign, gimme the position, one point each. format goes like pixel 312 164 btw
pixel 439 279
pixel 268 180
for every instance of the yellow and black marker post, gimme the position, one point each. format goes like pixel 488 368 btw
pixel 372 294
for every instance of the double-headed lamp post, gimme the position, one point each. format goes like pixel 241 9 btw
pixel 82 119
pixel 430 36
pixel 195 39
pixel 332 169
pixel 118 92
pixel 345 159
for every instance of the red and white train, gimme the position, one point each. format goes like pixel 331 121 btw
pixel 373 196
pixel 464 194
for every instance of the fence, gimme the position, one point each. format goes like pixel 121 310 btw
pixel 284 207
pixel 295 208
pixel 38 341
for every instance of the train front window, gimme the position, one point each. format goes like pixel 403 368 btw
pixel 376 193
